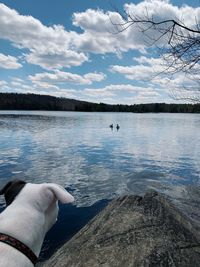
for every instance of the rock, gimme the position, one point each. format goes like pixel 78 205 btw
pixel 134 231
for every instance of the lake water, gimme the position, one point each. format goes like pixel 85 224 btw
pixel 80 152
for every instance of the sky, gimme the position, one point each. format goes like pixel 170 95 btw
pixel 71 49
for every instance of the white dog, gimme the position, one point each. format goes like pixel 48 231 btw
pixel 31 211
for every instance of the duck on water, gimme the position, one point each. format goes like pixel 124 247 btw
pixel 111 126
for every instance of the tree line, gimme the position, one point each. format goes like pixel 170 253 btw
pixel 14 101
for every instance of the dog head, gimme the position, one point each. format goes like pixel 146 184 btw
pixel 40 197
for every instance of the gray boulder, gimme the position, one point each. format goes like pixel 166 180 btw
pixel 134 231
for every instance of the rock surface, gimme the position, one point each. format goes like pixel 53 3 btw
pixel 134 231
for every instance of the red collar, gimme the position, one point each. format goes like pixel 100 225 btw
pixel 15 243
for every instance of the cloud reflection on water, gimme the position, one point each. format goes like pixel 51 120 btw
pixel 79 151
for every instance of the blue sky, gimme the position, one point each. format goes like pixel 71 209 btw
pixel 69 49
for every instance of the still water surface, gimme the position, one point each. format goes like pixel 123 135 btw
pixel 80 152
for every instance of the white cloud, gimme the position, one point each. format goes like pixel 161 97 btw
pixel 154 76
pixel 94 77
pixel 68 93
pixel 149 61
pixel 111 94
pixel 56 60
pixel 2 83
pixel 136 72
pixel 44 85
pixel 16 79
pixel 98 37
pixel 149 70
pixel 20 86
pixel 9 62
pixel 92 20
pixel 15 83
pixel 98 33
pixel 163 10
pixel 144 95
pixel 28 32
pixel 123 87
pixel 49 46
pixel 60 77
pixel 102 92
pixel 54 47
pixel 113 90
pixel 147 94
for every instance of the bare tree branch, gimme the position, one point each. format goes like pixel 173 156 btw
pixel 180 44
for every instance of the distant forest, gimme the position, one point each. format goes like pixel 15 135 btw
pixel 13 101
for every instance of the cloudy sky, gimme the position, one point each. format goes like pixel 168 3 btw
pixel 70 49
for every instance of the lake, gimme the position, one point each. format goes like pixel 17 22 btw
pixel 95 163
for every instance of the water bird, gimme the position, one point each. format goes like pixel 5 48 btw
pixel 117 127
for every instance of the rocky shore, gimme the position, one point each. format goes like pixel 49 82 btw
pixel 134 231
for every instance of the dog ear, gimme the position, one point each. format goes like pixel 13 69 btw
pixel 60 193
pixel 11 190
pixel 5 188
